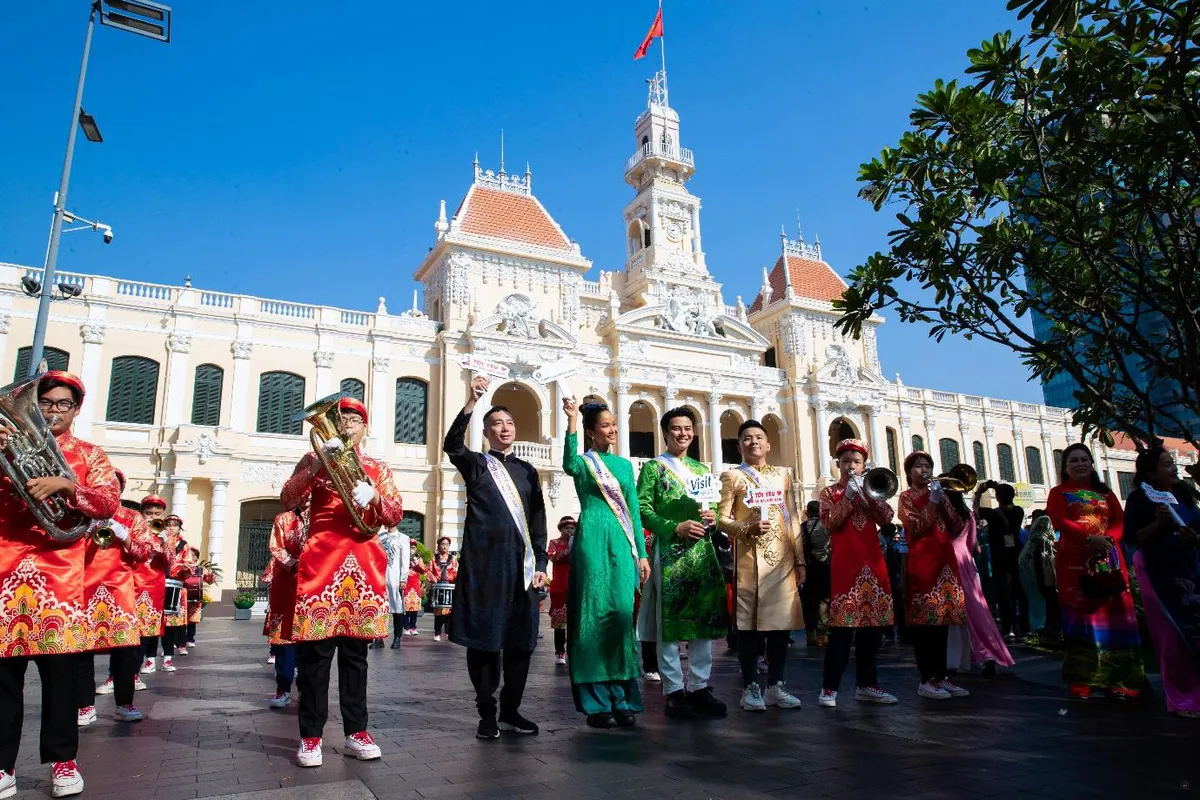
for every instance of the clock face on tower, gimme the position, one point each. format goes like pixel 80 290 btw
pixel 674 232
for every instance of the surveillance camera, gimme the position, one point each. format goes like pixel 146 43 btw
pixel 108 235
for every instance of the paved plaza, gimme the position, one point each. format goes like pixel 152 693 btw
pixel 209 734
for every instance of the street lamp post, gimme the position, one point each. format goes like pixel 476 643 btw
pixel 137 16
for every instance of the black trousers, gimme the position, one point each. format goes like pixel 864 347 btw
pixel 1010 594
pixel 750 644
pixel 173 637
pixel 191 632
pixel 149 647
pixel 410 620
pixel 123 662
pixel 929 645
pixel 485 668
pixel 649 656
pixel 866 643
pixel 560 641
pixel 316 658
pixel 398 624
pixel 1053 612
pixel 816 590
pixel 441 622
pixel 60 731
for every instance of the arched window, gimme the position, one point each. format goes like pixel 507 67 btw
pixel 412 396
pixel 980 459
pixel 1058 464
pixel 132 390
pixel 355 388
pixel 280 398
pixel 54 358
pixel 769 358
pixel 918 443
pixel 1033 460
pixel 413 526
pixel 206 395
pixel 893 454
pixel 1004 460
pixel 948 451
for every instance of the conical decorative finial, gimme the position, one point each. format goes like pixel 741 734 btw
pixel 441 226
pixel 502 151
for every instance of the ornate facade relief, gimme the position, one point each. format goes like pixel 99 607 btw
pixel 685 312
pixel 837 365
pixel 519 317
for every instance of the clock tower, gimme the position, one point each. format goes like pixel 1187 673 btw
pixel 662 222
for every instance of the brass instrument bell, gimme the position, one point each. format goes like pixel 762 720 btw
pixel 961 478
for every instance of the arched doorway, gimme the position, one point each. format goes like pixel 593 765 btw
pixel 525 407
pixel 643 439
pixel 774 428
pixel 696 449
pixel 254 535
pixel 840 429
pixel 730 421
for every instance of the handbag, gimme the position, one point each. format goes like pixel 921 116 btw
pixel 1102 576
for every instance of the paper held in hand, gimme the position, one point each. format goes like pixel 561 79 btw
pixel 1165 498
pixel 763 499
pixel 482 366
pixel 555 372
pixel 704 489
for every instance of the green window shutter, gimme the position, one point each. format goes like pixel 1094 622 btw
pixel 411 406
pixel 1004 458
pixel 1125 482
pixel 1033 460
pixel 413 526
pixel 355 388
pixel 918 443
pixel 206 395
pixel 980 460
pixel 948 450
pixel 133 390
pixel 55 359
pixel 280 398
pixel 893 464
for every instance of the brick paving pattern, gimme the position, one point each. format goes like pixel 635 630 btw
pixel 209 734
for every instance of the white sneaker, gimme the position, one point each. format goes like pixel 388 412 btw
pixel 954 689
pixel 309 754
pixel 192 645
pixel 561 659
pixel 169 664
pixel 653 677
pixel 106 687
pixel 181 651
pixel 8 784
pixel 827 699
pixel 873 694
pixel 128 714
pixel 279 700
pixel 87 715
pixel 149 667
pixel 932 691
pixel 437 637
pixel 66 778
pixel 361 746
pixel 271 659
pixel 781 697
pixel 752 699
pixel 139 685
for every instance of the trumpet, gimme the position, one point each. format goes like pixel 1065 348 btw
pixel 961 479
pixel 880 484
pixel 103 536
pixel 156 526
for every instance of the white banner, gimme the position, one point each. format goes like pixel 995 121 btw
pixel 482 366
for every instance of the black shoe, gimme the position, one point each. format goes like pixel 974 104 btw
pixel 989 670
pixel 678 706
pixel 515 723
pixel 625 719
pixel 705 704
pixel 601 721
pixel 487 729
pixel 395 643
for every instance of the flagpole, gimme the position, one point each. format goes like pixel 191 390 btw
pixel 662 47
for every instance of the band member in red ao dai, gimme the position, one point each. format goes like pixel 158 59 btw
pixel 111 602
pixel 175 619
pixel 43 617
pixel 341 596
pixel 286 543
pixel 932 518
pixel 150 583
pixel 443 568
pixel 860 605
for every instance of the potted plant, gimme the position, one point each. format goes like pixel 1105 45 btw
pixel 242 603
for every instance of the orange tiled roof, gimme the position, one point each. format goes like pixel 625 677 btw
pixel 1123 442
pixel 814 280
pixel 506 215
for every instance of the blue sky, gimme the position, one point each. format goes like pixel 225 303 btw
pixel 299 151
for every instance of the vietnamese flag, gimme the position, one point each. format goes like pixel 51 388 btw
pixel 656 31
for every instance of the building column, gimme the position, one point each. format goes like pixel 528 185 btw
pixel 824 468
pixel 240 395
pixel 964 435
pixel 216 521
pixel 1019 452
pixel 179 344
pixel 179 495
pixel 324 362
pixel 1049 469
pixel 878 443
pixel 89 373
pixel 989 451
pixel 624 402
pixel 905 440
pixel 714 432
pixel 669 394
pixel 383 414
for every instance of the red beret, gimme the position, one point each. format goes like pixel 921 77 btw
pixel 153 500
pixel 175 517
pixel 353 406
pixel 57 377
pixel 851 444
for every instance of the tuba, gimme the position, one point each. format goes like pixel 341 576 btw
pixel 31 452
pixel 344 469
pixel 960 478
pixel 880 483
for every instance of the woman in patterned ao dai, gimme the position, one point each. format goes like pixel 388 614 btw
pixel 934 593
pixel 860 605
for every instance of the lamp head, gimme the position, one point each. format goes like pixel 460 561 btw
pixel 31 286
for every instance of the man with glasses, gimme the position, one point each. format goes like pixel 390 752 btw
pixel 49 625
pixel 341 593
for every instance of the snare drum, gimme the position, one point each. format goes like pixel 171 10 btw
pixel 443 595
pixel 173 602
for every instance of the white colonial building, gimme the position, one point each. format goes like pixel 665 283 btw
pixel 193 391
